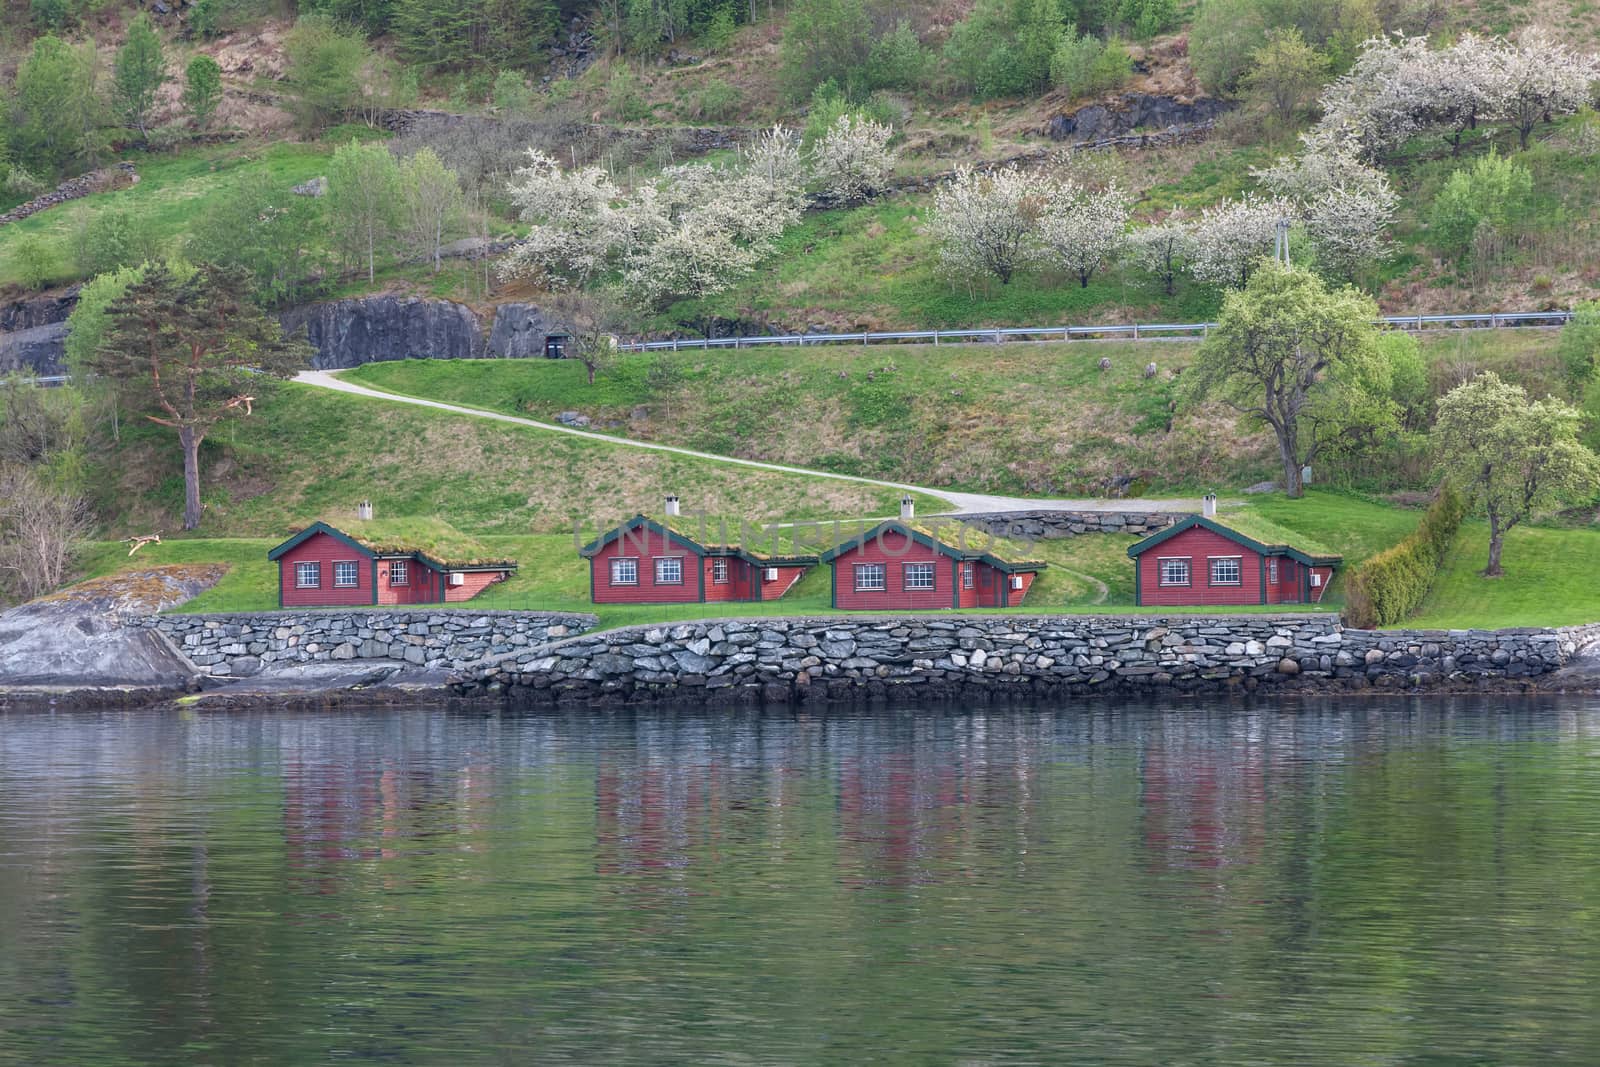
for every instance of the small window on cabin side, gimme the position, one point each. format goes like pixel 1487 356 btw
pixel 669 570
pixel 1174 572
pixel 1225 571
pixel 1272 571
pixel 400 572
pixel 719 571
pixel 346 575
pixel 870 577
pixel 307 575
pixel 624 572
pixel 966 576
pixel 919 576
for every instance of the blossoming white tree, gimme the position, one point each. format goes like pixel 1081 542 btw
pixel 576 225
pixel 853 159
pixel 1538 79
pixel 1231 238
pixel 986 223
pixel 1163 248
pixel 1345 205
pixel 1081 228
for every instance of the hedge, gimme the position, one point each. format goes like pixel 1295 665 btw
pixel 1389 586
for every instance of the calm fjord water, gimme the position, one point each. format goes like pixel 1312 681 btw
pixel 1321 883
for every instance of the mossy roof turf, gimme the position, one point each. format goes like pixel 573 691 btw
pixel 433 539
pixel 717 536
pixel 976 542
pixel 1266 532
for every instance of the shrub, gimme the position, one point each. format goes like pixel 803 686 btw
pixel 1579 347
pixel 112 239
pixel 897 60
pixel 202 89
pixel 718 101
pixel 719 31
pixel 1479 202
pixel 511 93
pixel 1084 65
pixel 1391 585
pixel 37 262
pixel 826 40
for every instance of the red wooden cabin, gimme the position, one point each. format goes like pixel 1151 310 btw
pixel 651 561
pixel 412 562
pixel 1237 560
pixel 901 566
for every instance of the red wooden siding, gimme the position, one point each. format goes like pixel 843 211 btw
pixel 423 584
pixel 739 584
pixel 324 551
pixel 1317 591
pixel 472 583
pixel 647 546
pixel 1198 545
pixel 774 588
pixel 894 550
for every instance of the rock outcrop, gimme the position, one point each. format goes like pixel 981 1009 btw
pixel 36 351
pixel 1133 111
pixel 519 332
pixel 369 329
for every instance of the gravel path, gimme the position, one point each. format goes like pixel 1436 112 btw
pixel 960 503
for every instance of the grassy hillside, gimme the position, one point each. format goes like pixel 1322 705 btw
pixel 310 453
pixel 1013 418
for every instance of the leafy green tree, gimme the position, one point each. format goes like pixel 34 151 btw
pixel 1301 359
pixel 202 89
pixel 1408 376
pixel 139 71
pixel 434 205
pixel 262 230
pixel 56 111
pixel 1083 64
pixel 364 201
pixel 1146 18
pixel 1579 346
pixel 53 15
pixel 1005 47
pixel 1285 72
pixel 115 238
pixel 1514 458
pixel 461 33
pixel 1491 193
pixel 324 74
pixel 1223 37
pixel 825 40
pixel 37 261
pixel 192 353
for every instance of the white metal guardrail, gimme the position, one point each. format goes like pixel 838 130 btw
pixel 1135 331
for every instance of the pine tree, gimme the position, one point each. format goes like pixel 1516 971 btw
pixel 193 352
pixel 138 73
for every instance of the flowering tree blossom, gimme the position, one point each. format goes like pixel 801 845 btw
pixel 1380 101
pixel 1538 79
pixel 853 159
pixel 1345 205
pixel 1231 238
pixel 985 223
pixel 576 224
pixel 1081 227
pixel 1163 248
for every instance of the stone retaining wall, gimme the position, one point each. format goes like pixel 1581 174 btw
pixel 238 646
pixel 783 661
pixel 96 181
pixel 1034 525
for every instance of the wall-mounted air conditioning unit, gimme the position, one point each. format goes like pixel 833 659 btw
pixel 1016 581
pixel 457 578
pixel 770 574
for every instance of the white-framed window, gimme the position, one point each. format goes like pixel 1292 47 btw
pixel 1272 570
pixel 966 576
pixel 625 571
pixel 1225 570
pixel 669 570
pixel 346 574
pixel 719 571
pixel 308 575
pixel 918 575
pixel 871 577
pixel 1174 571
pixel 400 572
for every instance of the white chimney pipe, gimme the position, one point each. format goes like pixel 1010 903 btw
pixel 1208 505
pixel 908 508
pixel 364 511
pixel 672 503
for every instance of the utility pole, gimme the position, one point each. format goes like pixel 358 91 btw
pixel 1280 248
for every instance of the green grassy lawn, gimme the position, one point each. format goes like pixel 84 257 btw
pixel 172 190
pixel 309 453
pixel 1545 582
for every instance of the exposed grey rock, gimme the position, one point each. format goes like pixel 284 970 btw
pixel 519 332
pixel 1133 111
pixel 36 350
pixel 316 187
pixel 572 418
pixel 1262 487
pixel 370 329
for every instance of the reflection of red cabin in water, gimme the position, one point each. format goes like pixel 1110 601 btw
pixel 667 561
pixel 1228 561
pixel 901 566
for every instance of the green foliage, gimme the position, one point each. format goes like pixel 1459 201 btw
pixel 897 60
pixel 53 15
pixel 202 89
pixel 372 16
pixel 625 100
pixel 324 73
pixel 511 93
pixel 262 229
pixel 204 18
pixel 1225 34
pixel 1285 72
pixel 1491 195
pixel 37 261
pixel 466 33
pixel 87 323
pixel 1084 65
pixel 364 201
pixel 719 30
pixel 1579 347
pixel 1146 18
pixel 1408 376
pixel 1005 47
pixel 1388 587
pixel 826 40
pixel 113 239
pixel 718 101
pixel 138 72
pixel 56 111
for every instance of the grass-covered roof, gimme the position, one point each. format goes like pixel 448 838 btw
pixel 434 539
pixel 1266 532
